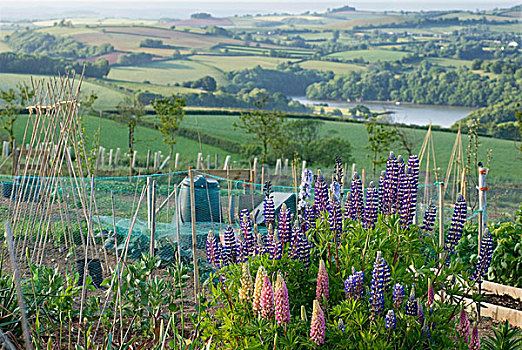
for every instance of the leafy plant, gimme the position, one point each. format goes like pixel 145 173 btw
pixel 504 338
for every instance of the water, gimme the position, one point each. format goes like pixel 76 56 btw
pixel 444 116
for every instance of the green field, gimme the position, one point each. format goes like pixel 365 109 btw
pixel 107 97
pixel 370 55
pixel 230 63
pixel 449 62
pixel 336 67
pixel 502 164
pixel 115 134
pixel 166 72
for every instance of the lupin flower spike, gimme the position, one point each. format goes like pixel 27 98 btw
pixel 246 230
pixel 335 191
pixel 398 295
pixel 303 314
pixel 321 193
pixel 335 218
pixel 379 283
pixel 321 291
pixel 371 208
pixel 268 204
pixel 339 171
pixel 282 307
pixel 420 312
pixel 354 284
pixel 305 188
pixel 284 224
pixel 356 210
pixel 317 329
pixel 340 325
pixel 464 325
pixel 230 248
pixel 431 294
pixel 390 320
pixel 258 287
pixel 474 343
pixel 484 259
pixel 457 224
pixel 247 285
pixel 213 249
pixel 411 304
pixel 429 219
pixel 267 300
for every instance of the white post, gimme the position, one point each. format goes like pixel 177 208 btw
pixel 304 165
pixel 134 158
pixel 111 158
pixel 278 166
pixel 155 160
pixel 176 160
pixel 102 157
pixel 285 171
pixel 208 161
pixel 164 163
pixel 227 161
pixel 198 162
pixel 117 157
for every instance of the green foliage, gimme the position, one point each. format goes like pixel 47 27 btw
pixel 380 139
pixel 424 84
pixel 171 113
pixel 35 42
pixel 130 111
pixel 14 102
pixel 504 338
pixel 11 62
pixel 206 83
pixel 264 125
pixel 135 59
pixel 228 322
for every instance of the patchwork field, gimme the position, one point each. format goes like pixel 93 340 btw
pixel 370 55
pixel 166 72
pixel 230 63
pixel 336 67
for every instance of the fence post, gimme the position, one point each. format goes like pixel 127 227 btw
pixel 194 236
pixel 148 159
pixel 227 161
pixel 482 214
pixel 208 161
pixel 216 161
pixel 111 157
pixel 176 160
pixel 134 158
pixel 117 157
pixel 441 218
pixel 285 170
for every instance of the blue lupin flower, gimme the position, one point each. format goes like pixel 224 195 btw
pixel 305 189
pixel 420 312
pixel 484 259
pixel 303 248
pixel 268 205
pixel 340 325
pixel 356 211
pixel 383 195
pixel 277 247
pixel 380 282
pixel 391 183
pixel 310 217
pixel 411 304
pixel 246 231
pixel 429 219
pixel 284 224
pixel 398 295
pixel 321 193
pixel 390 320
pixel 335 218
pixel 354 284
pixel 213 250
pixel 230 248
pixel 335 191
pixel 372 206
pixel 457 224
pixel 339 173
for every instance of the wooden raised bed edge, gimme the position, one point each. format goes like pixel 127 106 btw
pixel 496 312
pixel 500 289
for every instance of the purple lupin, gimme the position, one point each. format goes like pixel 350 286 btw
pixel 484 259
pixel 246 231
pixel 372 206
pixel 320 193
pixel 457 225
pixel 284 224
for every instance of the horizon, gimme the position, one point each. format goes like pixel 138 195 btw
pixel 156 9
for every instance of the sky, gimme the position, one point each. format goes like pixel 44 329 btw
pixel 154 9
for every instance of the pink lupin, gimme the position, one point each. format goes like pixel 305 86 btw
pixel 267 300
pixel 431 294
pixel 321 291
pixel 317 329
pixel 463 327
pixel 474 344
pixel 282 307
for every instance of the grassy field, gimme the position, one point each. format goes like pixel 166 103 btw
pixel 115 134
pixel 370 55
pixel 166 72
pixel 107 97
pixel 254 50
pixel 449 62
pixel 230 63
pixel 336 67
pixel 502 164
